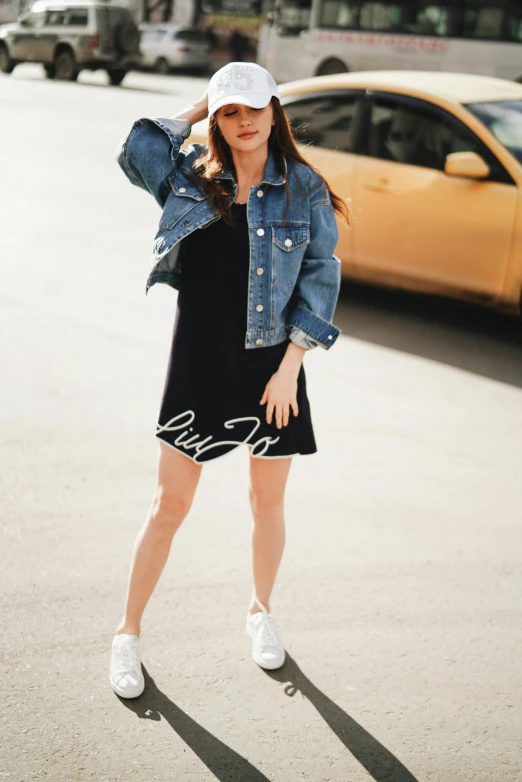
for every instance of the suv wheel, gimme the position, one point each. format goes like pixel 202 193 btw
pixel 116 76
pixel 65 67
pixel 6 63
pixel 162 66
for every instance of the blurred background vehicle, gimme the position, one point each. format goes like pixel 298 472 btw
pixel 431 166
pixel 166 47
pixel 318 37
pixel 68 37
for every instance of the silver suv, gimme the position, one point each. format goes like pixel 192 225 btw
pixel 70 36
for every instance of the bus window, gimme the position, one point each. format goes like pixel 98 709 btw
pixel 483 20
pixel 431 19
pixel 421 18
pixel 294 17
pixel 384 17
pixel 339 13
pixel 325 121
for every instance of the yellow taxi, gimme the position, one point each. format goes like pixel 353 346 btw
pixel 431 166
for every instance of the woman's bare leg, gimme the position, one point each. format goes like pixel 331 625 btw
pixel 178 478
pixel 268 479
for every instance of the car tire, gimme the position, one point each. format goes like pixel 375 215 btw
pixel 333 65
pixel 162 66
pixel 49 71
pixel 116 76
pixel 65 67
pixel 6 63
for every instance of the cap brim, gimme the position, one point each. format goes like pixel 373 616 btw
pixel 254 101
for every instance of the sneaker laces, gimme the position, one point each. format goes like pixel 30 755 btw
pixel 267 635
pixel 127 660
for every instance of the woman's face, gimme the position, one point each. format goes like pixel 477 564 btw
pixel 243 128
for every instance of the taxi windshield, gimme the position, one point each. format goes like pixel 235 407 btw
pixel 504 120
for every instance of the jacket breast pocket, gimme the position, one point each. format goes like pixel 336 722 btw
pixel 184 196
pixel 288 248
pixel 184 187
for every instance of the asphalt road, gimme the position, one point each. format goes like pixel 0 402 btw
pixel 399 593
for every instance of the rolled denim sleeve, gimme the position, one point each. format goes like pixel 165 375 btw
pixel 150 152
pixel 309 321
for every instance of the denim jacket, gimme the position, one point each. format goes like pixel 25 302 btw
pixel 294 276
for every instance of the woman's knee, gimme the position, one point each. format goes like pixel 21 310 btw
pixel 266 502
pixel 178 478
pixel 169 508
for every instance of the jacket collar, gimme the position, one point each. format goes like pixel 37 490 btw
pixel 270 177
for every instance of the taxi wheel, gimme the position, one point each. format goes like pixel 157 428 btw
pixel 6 63
pixel 333 65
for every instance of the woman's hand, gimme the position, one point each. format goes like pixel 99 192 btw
pixel 280 395
pixel 196 112
pixel 202 103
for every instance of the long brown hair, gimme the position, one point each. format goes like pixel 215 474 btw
pixel 218 158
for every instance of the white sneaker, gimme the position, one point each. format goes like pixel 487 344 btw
pixel 267 649
pixel 125 673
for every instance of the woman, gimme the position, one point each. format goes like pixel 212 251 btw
pixel 257 288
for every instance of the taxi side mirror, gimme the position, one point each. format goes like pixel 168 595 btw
pixel 466 164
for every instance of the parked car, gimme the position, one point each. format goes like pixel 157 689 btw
pixel 68 37
pixel 431 165
pixel 166 47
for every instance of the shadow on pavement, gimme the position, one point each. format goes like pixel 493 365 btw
pixel 221 760
pixel 378 761
pixel 128 88
pixel 226 764
pixel 102 86
pixel 459 334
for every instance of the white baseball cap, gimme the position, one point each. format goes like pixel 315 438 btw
pixel 241 82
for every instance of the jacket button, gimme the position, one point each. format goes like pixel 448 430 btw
pixel 183 190
pixel 259 341
pixel 260 194
pixel 330 336
pixel 259 308
pixel 260 270
pixel 260 231
pixel 288 242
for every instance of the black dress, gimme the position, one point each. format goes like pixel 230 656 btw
pixel 214 384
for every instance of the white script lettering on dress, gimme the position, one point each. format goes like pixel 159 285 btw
pixel 183 421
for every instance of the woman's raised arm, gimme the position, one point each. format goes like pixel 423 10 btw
pixel 151 150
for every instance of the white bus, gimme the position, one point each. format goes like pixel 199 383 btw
pixel 314 37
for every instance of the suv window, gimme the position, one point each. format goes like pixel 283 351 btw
pixel 35 19
pixel 415 136
pixel 56 17
pixel 192 36
pixel 76 17
pixel 324 121
pixel 152 36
